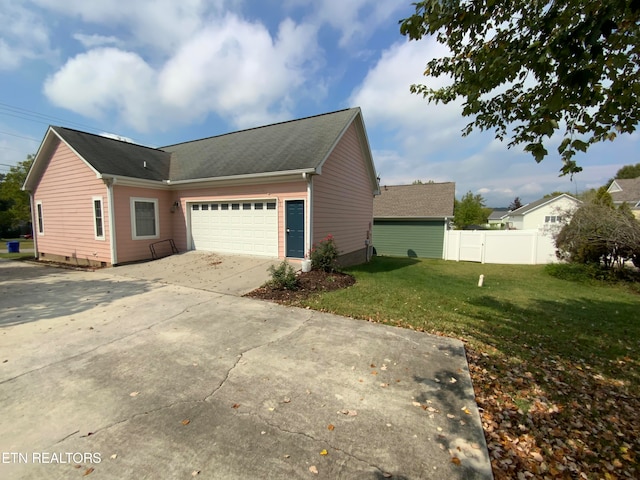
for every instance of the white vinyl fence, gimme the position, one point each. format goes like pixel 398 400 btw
pixel 516 247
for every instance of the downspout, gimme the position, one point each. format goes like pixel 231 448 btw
pixel 309 222
pixel 34 231
pixel 112 221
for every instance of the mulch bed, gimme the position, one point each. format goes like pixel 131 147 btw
pixel 309 283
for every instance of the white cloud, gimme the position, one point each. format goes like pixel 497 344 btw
pixel 24 36
pixel 92 41
pixel 158 24
pixel 355 20
pixel 231 67
pixel 105 80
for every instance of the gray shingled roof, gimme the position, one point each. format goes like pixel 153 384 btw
pixel 294 145
pixel 498 213
pixel 302 144
pixel 630 190
pixel 115 157
pixel 422 200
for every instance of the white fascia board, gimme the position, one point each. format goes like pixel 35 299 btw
pixel 133 182
pixel 266 177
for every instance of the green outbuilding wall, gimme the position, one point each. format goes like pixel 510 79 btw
pixel 409 238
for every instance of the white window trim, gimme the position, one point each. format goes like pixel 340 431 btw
pixel 39 218
pixel 95 220
pixel 134 234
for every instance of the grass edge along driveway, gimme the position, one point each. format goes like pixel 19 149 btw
pixel 554 363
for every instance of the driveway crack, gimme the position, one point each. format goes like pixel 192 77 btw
pixel 255 347
pixel 313 439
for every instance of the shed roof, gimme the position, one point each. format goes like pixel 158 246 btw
pixel 427 200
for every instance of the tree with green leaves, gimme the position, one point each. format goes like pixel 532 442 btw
pixel 530 68
pixel 628 171
pixel 15 209
pixel 470 210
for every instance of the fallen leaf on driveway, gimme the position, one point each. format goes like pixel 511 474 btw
pixel 416 404
pixel 313 469
pixel 235 405
pixel 195 473
pixel 114 456
pixel 455 460
pixel 186 421
pixel 330 427
pixel 134 394
pixel 324 452
pixel 88 471
pixel 350 413
pixel 452 380
pixel 466 410
pixel 286 400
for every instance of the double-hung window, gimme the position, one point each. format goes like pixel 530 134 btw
pixel 98 218
pixel 40 217
pixel 144 218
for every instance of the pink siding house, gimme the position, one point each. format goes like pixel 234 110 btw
pixel 268 191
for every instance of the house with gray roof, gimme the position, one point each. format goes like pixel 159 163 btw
pixel 270 191
pixel 545 214
pixel 411 220
pixel 626 190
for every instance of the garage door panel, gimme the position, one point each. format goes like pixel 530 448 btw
pixel 235 227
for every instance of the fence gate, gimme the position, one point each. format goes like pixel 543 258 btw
pixel 471 246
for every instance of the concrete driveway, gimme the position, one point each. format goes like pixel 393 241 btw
pixel 116 377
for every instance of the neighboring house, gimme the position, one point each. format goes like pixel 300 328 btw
pixel 496 219
pixel 411 220
pixel 543 214
pixel 626 190
pixel 270 191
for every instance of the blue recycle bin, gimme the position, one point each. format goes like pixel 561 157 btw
pixel 13 247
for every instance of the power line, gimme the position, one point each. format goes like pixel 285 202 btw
pixel 21 112
pixel 37 117
pixel 20 136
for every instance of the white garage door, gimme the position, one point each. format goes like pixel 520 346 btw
pixel 246 227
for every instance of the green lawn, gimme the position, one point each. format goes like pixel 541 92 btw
pixel 544 350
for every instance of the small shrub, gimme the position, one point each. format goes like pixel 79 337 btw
pixel 283 276
pixel 324 255
pixel 591 272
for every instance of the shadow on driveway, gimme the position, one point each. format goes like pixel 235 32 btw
pixel 30 292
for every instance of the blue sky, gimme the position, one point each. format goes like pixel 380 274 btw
pixel 164 71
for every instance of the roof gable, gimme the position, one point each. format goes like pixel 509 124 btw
pixel 428 200
pixel 628 190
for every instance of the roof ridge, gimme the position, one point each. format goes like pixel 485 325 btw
pixel 258 127
pixel 106 138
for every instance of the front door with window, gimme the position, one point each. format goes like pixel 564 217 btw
pixel 294 228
